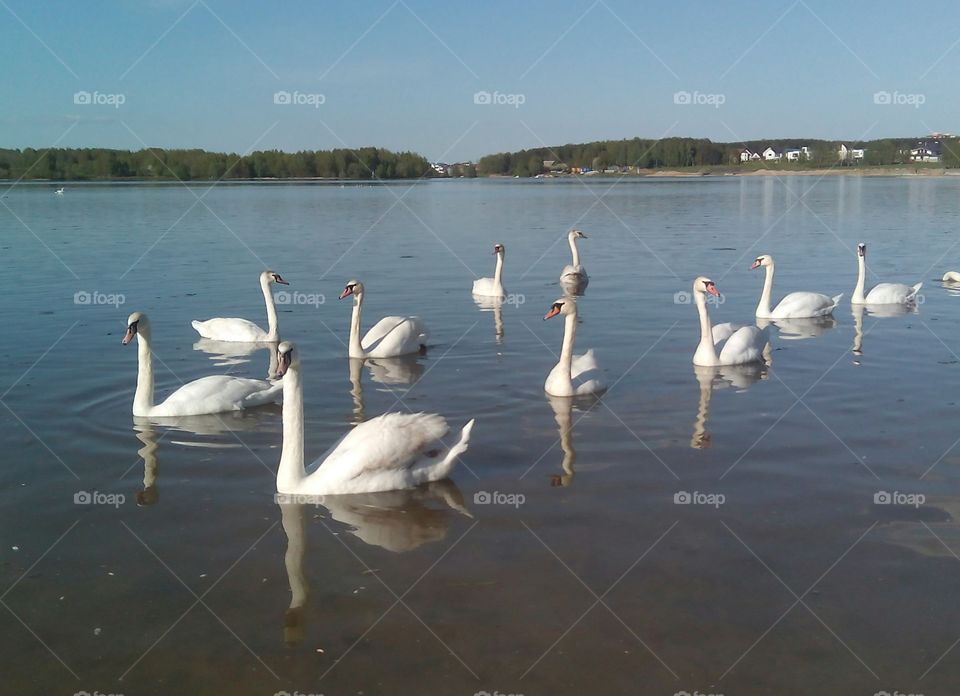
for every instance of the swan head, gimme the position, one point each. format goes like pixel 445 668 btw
pixel 576 234
pixel 272 277
pixel 704 286
pixel 499 250
pixel 862 250
pixel 135 322
pixel 287 357
pixel 353 287
pixel 764 260
pixel 564 305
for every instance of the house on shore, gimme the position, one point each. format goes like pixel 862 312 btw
pixel 926 151
pixel 771 155
pixel 849 154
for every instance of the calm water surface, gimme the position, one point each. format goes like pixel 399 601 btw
pixel 793 581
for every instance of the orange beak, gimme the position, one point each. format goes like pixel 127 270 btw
pixel 755 264
pixel 346 292
pixel 554 311
pixel 712 289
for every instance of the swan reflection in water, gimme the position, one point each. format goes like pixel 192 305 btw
pixel 799 329
pixel 495 305
pixel 885 311
pixel 739 377
pixel 402 371
pixel 397 521
pixel 226 353
pixel 575 286
pixel 148 453
pixel 563 407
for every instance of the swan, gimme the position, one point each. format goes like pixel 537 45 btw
pixel 796 305
pixel 951 277
pixel 59 191
pixel 389 337
pixel 883 293
pixel 234 329
pixel 574 273
pixel 741 345
pixel 492 287
pixel 572 375
pixel 213 394
pixel 390 452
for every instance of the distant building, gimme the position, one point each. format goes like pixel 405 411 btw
pixel 747 155
pixel 792 154
pixel 771 155
pixel 845 153
pixel 926 151
pixel 441 168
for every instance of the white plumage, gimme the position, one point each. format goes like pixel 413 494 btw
pixel 389 337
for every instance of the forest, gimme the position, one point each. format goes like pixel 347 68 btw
pixel 67 164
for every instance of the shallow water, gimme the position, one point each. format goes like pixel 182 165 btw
pixel 597 581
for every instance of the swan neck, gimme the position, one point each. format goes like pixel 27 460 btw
pixel 573 250
pixel 273 333
pixel 498 273
pixel 143 398
pixel 763 309
pixel 290 471
pixel 861 277
pixel 566 350
pixel 706 351
pixel 355 348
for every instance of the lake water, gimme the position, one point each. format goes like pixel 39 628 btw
pixel 782 576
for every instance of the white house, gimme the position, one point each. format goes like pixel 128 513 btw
pixel 792 154
pixel 926 151
pixel 771 155
pixel 806 152
pixel 845 153
pixel 746 155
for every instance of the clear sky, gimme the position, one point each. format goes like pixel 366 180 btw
pixel 403 74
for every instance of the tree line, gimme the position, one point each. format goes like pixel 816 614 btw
pixel 694 152
pixel 65 164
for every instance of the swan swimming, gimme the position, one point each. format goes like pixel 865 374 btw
pixel 882 293
pixel 390 452
pixel 796 305
pixel 574 272
pixel 243 330
pixel 740 344
pixel 389 337
pixel 492 287
pixel 573 375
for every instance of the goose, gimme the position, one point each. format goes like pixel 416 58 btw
pixel 574 273
pixel 242 330
pixel 951 277
pixel 389 337
pixel 573 375
pixel 492 287
pixel 796 305
pixel 393 451
pixel 741 345
pixel 213 394
pixel 883 293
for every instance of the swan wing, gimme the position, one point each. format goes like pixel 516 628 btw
pixel 487 287
pixel 892 293
pixel 721 332
pixel 801 305
pixel 387 443
pixel 230 329
pixel 395 336
pixel 584 363
pixel 573 272
pixel 216 394
pixel 744 346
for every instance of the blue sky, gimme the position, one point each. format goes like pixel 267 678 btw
pixel 403 74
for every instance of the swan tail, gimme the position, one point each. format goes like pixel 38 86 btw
pixel 441 470
pixel 915 290
pixel 198 327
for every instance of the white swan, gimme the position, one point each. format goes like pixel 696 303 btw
pixel 242 330
pixel 389 337
pixel 883 293
pixel 492 287
pixel 796 305
pixel 390 452
pixel 214 394
pixel 59 191
pixel 572 375
pixel 951 277
pixel 741 345
pixel 575 273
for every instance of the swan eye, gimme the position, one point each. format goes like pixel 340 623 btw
pixel 133 326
